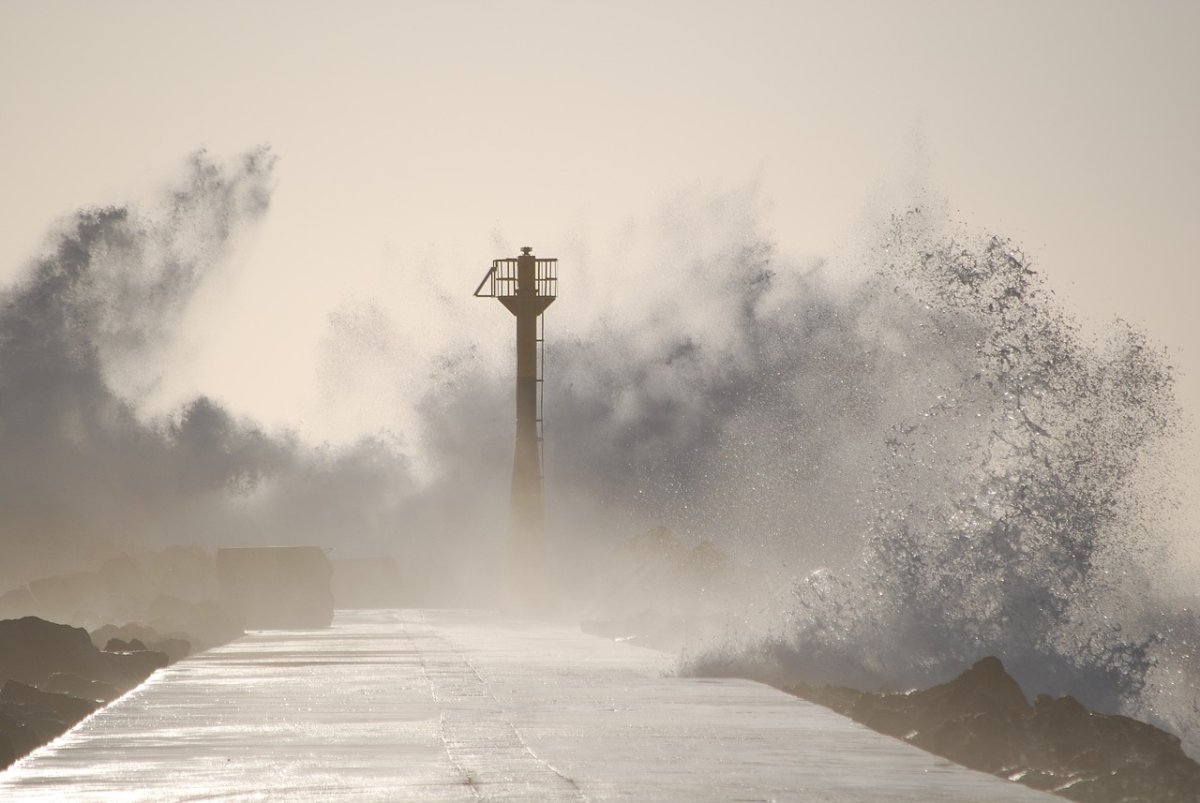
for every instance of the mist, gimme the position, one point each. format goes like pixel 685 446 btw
pixel 829 424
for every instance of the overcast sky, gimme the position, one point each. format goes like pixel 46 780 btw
pixel 448 133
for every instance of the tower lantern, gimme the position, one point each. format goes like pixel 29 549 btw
pixel 526 285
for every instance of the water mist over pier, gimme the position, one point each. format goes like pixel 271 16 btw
pixel 871 363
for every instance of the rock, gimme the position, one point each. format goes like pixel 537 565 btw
pixel 117 645
pixel 101 636
pixel 975 719
pixel 985 687
pixel 16 734
pixel 125 670
pixel 839 698
pixel 32 649
pixel 119 589
pixel 73 675
pixel 206 624
pixel 111 637
pixel 83 688
pixel 176 649
pixel 1109 757
pixel 64 707
pixel 30 718
pixel 8 752
pixel 982 720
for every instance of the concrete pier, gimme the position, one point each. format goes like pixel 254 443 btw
pixel 456 705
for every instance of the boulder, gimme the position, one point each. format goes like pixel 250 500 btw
pixel 101 636
pixel 117 645
pixel 1108 757
pixel 128 637
pixel 125 670
pixel 975 719
pixel 206 624
pixel 62 706
pixel 982 720
pixel 25 727
pixel 55 676
pixel 32 649
pixel 8 751
pixel 176 649
pixel 30 718
pixel 83 688
pixel 17 736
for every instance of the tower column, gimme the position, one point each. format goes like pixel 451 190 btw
pixel 526 286
pixel 526 535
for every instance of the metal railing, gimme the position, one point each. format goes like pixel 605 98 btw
pixel 501 280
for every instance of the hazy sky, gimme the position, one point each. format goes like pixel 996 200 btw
pixel 443 134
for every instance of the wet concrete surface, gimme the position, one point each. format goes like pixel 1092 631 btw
pixel 469 705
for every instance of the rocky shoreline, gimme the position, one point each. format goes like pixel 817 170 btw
pixel 52 676
pixel 656 592
pixel 982 720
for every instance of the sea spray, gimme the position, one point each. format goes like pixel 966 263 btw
pixel 86 331
pixel 730 392
pixel 1013 515
pixel 889 429
pixel 92 314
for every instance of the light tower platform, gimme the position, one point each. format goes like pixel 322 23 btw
pixel 526 286
pixel 462 706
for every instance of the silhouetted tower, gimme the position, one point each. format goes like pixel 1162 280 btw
pixel 526 285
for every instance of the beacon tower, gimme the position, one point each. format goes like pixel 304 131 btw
pixel 526 285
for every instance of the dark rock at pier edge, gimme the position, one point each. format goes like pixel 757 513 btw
pixel 118 645
pixel 62 707
pixel 206 623
pixel 982 720
pixel 17 735
pixel 29 718
pixel 125 670
pixel 174 590
pixel 53 676
pixel 32 649
pixel 83 688
pixel 111 638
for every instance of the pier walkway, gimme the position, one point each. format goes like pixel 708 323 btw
pixel 459 706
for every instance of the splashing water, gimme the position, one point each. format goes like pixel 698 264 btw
pixel 1013 515
pixel 978 474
